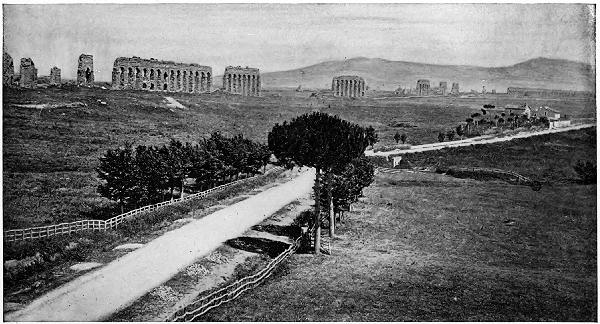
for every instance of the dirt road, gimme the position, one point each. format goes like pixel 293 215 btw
pixel 94 296
pixel 474 141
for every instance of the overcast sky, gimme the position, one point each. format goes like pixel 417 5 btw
pixel 275 37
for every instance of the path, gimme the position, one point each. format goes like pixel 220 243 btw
pixel 475 140
pixel 95 296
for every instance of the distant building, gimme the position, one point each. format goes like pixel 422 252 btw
pixel 518 110
pixel 455 90
pixel 547 112
pixel 423 87
pixel 483 90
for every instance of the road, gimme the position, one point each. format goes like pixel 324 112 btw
pixel 475 141
pixel 97 295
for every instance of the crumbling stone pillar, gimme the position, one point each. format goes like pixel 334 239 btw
pixel 85 70
pixel 55 76
pixel 8 70
pixel 28 74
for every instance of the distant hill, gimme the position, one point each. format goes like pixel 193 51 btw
pixel 389 75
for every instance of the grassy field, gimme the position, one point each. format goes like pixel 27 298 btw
pixel 49 155
pixel 428 247
pixel 549 158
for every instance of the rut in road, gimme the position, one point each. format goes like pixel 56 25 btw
pixel 97 295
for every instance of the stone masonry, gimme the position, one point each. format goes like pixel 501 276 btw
pixel 55 76
pixel 28 74
pixel 244 81
pixel 455 90
pixel 85 70
pixel 423 87
pixel 134 73
pixel 348 86
pixel 8 70
pixel 443 88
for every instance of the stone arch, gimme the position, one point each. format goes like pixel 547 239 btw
pixel 122 76
pixel 172 81
pixel 130 76
pixel 178 84
pixel 165 87
pixel 145 73
pixel 208 81
pixel 197 80
pixel 191 85
pixel 138 77
pixel 88 75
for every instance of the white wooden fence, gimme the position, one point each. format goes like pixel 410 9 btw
pixel 32 233
pixel 226 294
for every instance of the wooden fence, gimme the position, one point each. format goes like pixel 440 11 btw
pixel 201 306
pixel 32 233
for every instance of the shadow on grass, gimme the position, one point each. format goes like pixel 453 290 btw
pixel 258 245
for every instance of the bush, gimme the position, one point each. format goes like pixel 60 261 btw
pixel 586 171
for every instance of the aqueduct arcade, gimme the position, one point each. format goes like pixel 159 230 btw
pixel 348 86
pixel 244 81
pixel 153 75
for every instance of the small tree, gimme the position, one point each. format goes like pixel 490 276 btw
pixel 403 138
pixel 441 136
pixel 371 135
pixel 459 131
pixel 450 135
pixel 119 171
pixel 586 171
pixel 397 137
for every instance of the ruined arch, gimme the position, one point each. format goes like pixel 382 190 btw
pixel 88 75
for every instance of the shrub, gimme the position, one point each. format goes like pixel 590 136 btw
pixel 586 171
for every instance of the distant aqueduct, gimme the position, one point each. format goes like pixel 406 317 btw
pixel 153 75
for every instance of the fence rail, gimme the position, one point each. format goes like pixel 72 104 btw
pixel 226 294
pixel 32 233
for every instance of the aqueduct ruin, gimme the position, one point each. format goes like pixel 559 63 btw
pixel 136 73
pixel 244 81
pixel 348 86
pixel 85 70
pixel 28 74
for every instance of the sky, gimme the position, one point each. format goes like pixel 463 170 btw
pixel 276 37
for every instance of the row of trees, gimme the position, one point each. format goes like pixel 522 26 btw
pixel 147 174
pixel 335 148
pixel 479 122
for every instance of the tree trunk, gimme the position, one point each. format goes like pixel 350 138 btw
pixel 172 193
pixel 122 208
pixel 317 212
pixel 331 214
pixel 182 182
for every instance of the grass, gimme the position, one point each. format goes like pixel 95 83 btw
pixel 53 255
pixel 428 247
pixel 548 158
pixel 49 155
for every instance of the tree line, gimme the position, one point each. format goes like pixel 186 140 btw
pixel 150 174
pixel 335 148
pixel 479 122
